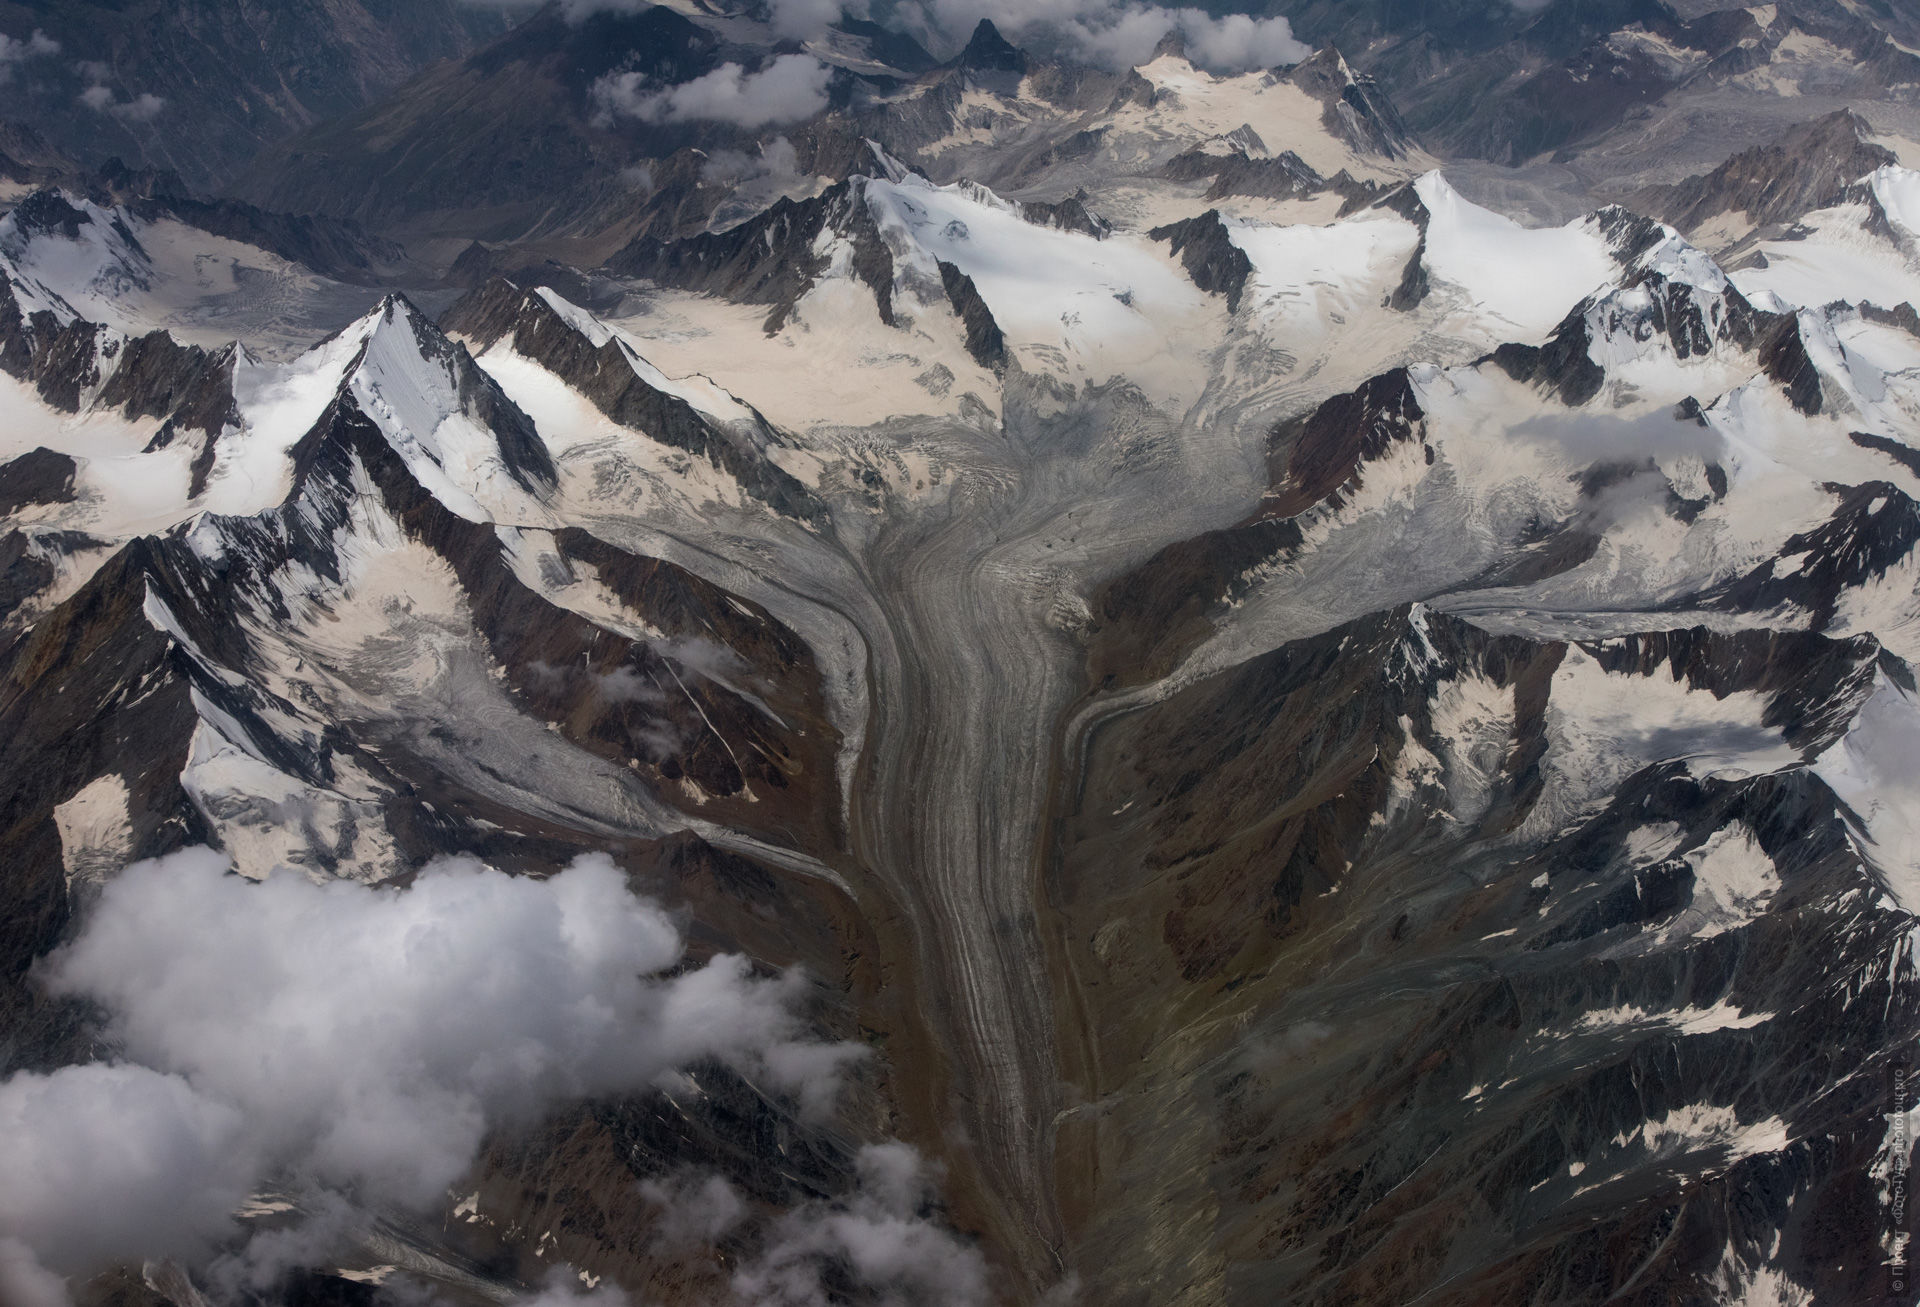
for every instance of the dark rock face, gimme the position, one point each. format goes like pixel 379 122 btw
pixel 38 477
pixel 1808 168
pixel 149 376
pixel 989 52
pixel 605 375
pixel 29 567
pixel 1415 282
pixel 23 572
pixel 1564 364
pixel 1628 234
pixel 1874 529
pixel 1215 263
pixel 190 388
pixel 1070 214
pixel 106 650
pixel 984 339
pixel 1672 311
pixel 1146 620
pixel 769 259
pixel 1784 356
pixel 28 159
pixel 1282 177
pixel 1326 450
pixel 895 49
pixel 1893 449
pixel 1357 108
pixel 47 212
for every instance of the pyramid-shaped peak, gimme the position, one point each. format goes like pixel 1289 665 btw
pixel 989 52
pixel 439 410
pixel 395 307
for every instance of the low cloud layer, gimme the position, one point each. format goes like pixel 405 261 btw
pixel 791 88
pixel 358 1039
pixel 1586 438
pixel 1636 454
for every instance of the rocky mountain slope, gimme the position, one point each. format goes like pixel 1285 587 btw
pixel 199 87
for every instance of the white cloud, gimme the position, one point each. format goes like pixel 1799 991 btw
pixel 883 1235
pixel 879 1234
pixel 754 181
pixel 15 51
pixel 694 1210
pixel 142 108
pixel 792 88
pixel 1116 35
pixel 99 1159
pixel 99 97
pixel 1237 41
pixel 357 1038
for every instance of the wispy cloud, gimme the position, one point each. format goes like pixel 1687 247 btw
pixel 883 1236
pixel 101 98
pixel 791 88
